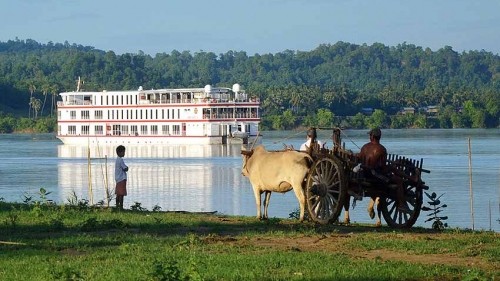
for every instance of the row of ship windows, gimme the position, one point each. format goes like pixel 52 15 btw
pixel 155 114
pixel 129 114
pixel 117 130
pixel 88 100
pixel 133 99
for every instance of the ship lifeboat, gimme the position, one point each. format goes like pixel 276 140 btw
pixel 239 134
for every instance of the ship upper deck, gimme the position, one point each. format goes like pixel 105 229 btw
pixel 207 95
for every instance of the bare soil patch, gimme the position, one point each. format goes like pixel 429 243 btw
pixel 337 241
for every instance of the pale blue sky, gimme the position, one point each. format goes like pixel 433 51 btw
pixel 253 26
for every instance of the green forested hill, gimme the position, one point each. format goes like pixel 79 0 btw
pixel 296 87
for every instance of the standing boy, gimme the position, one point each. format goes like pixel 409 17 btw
pixel 120 176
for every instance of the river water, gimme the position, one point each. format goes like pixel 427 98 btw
pixel 208 178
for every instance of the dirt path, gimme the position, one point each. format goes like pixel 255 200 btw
pixel 337 243
pixel 343 238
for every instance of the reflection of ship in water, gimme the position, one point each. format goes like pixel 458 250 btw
pixel 157 151
pixel 188 178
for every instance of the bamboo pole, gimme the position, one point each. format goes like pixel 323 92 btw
pixel 106 179
pixel 91 196
pixel 489 211
pixel 471 194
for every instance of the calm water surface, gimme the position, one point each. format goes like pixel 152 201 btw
pixel 208 178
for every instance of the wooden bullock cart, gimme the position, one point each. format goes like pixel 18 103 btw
pixel 331 182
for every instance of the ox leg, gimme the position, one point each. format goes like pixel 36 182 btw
pixel 257 194
pixel 347 204
pixel 371 205
pixel 379 212
pixel 299 193
pixel 374 202
pixel 266 203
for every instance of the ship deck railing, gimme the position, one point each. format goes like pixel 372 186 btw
pixel 169 101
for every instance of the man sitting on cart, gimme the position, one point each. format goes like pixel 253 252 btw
pixel 373 156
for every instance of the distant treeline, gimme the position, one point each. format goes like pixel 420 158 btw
pixel 330 85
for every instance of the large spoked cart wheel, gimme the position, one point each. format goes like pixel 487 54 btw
pixel 413 195
pixel 402 219
pixel 326 190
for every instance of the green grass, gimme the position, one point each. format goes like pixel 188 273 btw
pixel 47 242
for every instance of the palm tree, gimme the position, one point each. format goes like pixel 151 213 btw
pixel 36 104
pixel 45 91
pixel 295 100
pixel 32 89
pixel 328 97
pixel 54 91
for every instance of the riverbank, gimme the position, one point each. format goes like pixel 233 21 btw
pixel 41 241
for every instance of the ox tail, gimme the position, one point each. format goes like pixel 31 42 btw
pixel 309 160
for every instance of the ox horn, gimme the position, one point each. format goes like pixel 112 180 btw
pixel 255 140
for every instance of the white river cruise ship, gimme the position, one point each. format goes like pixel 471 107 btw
pixel 209 115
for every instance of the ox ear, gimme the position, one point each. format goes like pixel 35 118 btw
pixel 246 152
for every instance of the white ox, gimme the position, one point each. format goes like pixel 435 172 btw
pixel 279 171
